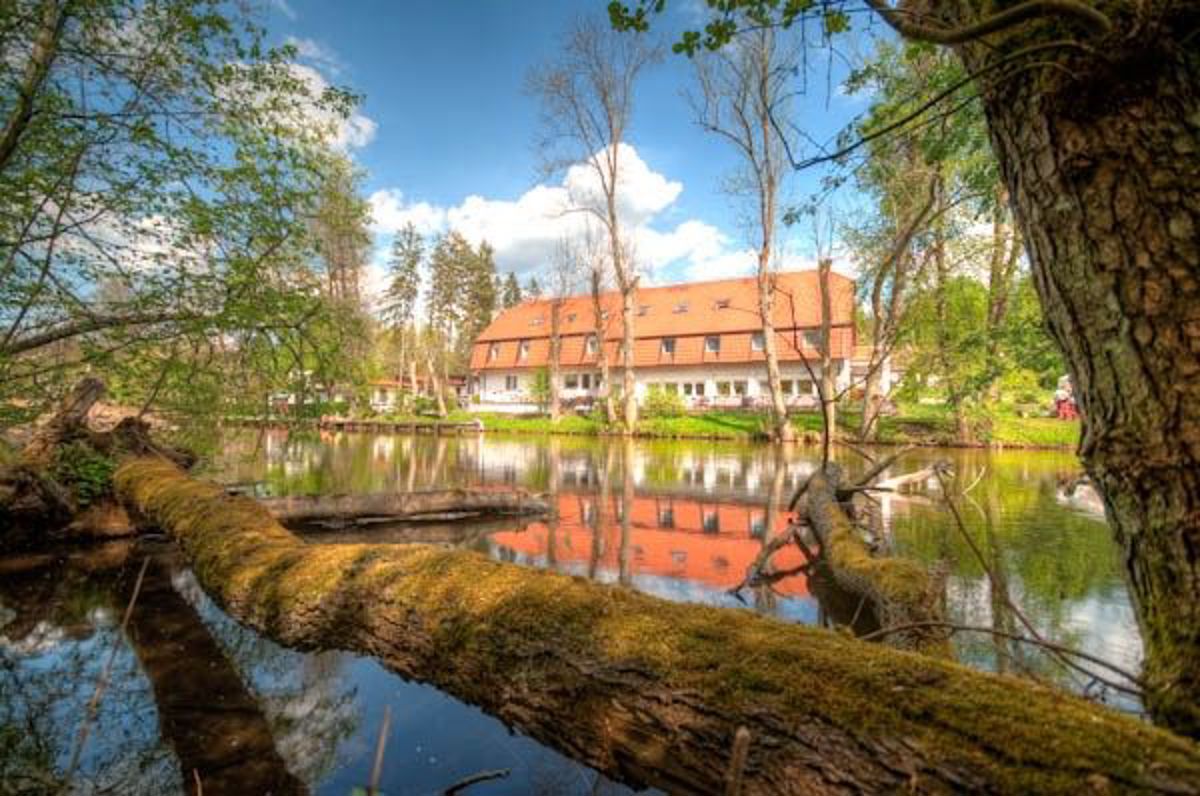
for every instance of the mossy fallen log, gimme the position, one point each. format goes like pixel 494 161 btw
pixel 653 691
pixel 409 506
pixel 898 591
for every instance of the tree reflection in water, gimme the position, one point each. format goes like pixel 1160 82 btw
pixel 700 510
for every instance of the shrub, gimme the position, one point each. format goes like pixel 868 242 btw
pixel 660 403
pixel 84 470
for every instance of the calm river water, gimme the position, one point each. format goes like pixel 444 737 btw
pixel 192 694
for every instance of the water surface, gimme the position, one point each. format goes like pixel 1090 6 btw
pixel 194 694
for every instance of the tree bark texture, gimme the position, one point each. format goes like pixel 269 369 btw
pixel 1101 158
pixel 652 691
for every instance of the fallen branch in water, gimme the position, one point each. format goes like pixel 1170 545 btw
pixel 651 691
pixel 954 627
pixel 93 705
pixel 475 779
pixel 341 510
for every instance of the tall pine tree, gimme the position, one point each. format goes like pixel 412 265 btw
pixel 400 300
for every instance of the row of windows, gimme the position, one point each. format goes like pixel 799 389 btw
pixel 712 345
pixel 732 387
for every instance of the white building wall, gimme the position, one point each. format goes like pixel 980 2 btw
pixel 516 386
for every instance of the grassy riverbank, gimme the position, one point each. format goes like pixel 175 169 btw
pixel 912 425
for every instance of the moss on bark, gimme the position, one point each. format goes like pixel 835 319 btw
pixel 653 691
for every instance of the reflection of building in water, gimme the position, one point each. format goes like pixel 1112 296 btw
pixel 708 543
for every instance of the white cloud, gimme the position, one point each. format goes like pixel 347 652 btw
pixel 283 7
pixel 313 51
pixel 390 213
pixel 353 133
pixel 525 232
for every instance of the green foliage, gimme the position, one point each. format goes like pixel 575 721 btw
pixel 85 471
pixel 661 403
pixel 540 389
pixel 174 181
pixel 511 291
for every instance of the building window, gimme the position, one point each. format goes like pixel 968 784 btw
pixel 687 389
pixel 671 388
pixel 724 388
pixel 668 346
pixel 510 383
pixel 722 304
pixel 804 387
pixel 758 524
pixel 596 381
pixel 523 349
pixel 757 342
pixel 666 517
pixel 712 344
pixel 591 344
pixel 644 309
pixel 700 388
pixel 812 339
pixel 681 307
pixel 572 381
pixel 571 317
pixel 712 523
pixel 585 380
pixel 493 352
pixel 739 388
pixel 786 386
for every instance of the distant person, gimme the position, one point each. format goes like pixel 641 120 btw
pixel 1064 400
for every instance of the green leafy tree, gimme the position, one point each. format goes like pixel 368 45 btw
pixel 159 169
pixel 512 291
pixel 404 286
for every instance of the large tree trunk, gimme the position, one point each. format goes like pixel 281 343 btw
pixel 649 690
pixel 601 332
pixel 781 429
pixel 629 404
pixel 555 359
pixel 1101 157
pixel 828 382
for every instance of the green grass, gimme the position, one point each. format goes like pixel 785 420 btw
pixel 916 424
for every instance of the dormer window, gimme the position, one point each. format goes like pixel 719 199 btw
pixel 523 349
pixel 757 341
pixel 712 344
pixel 722 304
pixel 812 339
pixel 681 307
pixel 571 317
pixel 591 344
pixel 668 346
pixel 493 352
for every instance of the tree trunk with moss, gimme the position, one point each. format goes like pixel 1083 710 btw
pixel 1101 158
pixel 648 690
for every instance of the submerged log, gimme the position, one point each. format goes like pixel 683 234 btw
pixel 406 506
pixel 897 591
pixel 652 691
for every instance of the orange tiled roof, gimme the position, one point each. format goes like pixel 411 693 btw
pixel 687 312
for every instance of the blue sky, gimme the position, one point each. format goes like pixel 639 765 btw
pixel 446 133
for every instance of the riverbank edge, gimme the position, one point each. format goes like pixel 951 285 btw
pixel 542 427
